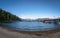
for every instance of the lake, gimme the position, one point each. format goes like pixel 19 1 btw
pixel 30 26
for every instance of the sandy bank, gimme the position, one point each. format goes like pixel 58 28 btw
pixel 7 33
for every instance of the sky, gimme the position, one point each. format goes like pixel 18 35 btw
pixel 32 8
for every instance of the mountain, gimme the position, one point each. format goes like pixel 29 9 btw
pixel 6 16
pixel 41 19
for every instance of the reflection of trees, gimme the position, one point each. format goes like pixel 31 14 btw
pixel 7 16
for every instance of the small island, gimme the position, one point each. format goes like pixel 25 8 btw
pixel 7 17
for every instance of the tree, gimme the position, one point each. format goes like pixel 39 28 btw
pixel 8 17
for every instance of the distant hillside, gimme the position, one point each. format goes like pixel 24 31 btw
pixel 8 17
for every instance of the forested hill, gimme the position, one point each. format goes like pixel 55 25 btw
pixel 6 16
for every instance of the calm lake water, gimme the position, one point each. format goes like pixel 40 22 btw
pixel 31 26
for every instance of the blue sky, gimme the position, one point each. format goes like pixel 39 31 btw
pixel 32 8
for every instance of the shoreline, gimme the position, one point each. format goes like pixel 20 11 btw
pixel 33 32
pixel 24 34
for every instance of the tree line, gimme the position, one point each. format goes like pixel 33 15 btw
pixel 6 16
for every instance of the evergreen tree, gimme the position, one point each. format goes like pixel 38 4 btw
pixel 8 17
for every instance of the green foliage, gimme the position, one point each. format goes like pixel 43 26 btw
pixel 8 17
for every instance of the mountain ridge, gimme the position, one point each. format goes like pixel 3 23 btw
pixel 6 16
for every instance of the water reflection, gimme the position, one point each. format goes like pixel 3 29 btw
pixel 31 26
pixel 57 25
